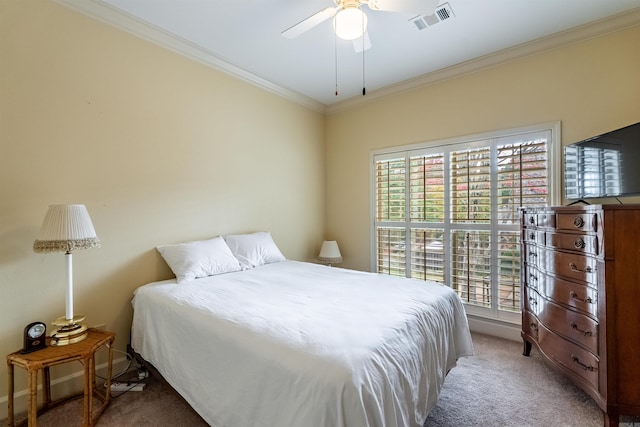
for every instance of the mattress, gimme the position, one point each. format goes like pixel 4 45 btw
pixel 300 344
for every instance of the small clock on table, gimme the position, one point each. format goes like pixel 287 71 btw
pixel 35 335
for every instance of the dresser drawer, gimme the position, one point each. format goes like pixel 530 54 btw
pixel 533 236
pixel 571 266
pixel 546 220
pixel 583 243
pixel 534 278
pixel 533 302
pixel 576 221
pixel 533 254
pixel 581 329
pixel 577 360
pixel 530 324
pixel 579 296
pixel 530 220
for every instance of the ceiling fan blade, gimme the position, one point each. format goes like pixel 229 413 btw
pixel 423 7
pixel 309 23
pixel 358 43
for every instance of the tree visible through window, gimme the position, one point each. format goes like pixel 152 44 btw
pixel 449 213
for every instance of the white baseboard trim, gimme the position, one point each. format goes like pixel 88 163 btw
pixel 496 328
pixel 19 397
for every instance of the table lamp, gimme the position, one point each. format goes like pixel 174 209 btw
pixel 330 253
pixel 67 228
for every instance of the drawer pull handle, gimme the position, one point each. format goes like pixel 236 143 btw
pixel 532 236
pixel 578 222
pixel 533 301
pixel 534 327
pixel 574 267
pixel 579 243
pixel 587 300
pixel 575 328
pixel 576 360
pixel 532 220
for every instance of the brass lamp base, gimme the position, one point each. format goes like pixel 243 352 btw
pixel 69 331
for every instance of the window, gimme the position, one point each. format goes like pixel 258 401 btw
pixel 448 211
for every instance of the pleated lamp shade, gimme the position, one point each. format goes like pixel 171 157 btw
pixel 66 228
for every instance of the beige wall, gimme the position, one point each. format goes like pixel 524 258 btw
pixel 591 87
pixel 159 148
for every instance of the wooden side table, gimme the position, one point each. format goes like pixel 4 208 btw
pixel 83 351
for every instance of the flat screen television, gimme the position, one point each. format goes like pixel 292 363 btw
pixel 606 165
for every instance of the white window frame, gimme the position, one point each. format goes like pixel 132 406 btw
pixel 554 188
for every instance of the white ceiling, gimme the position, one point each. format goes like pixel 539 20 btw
pixel 244 38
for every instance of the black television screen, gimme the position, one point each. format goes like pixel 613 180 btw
pixel 607 165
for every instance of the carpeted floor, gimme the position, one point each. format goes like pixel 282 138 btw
pixel 500 387
pixel 496 387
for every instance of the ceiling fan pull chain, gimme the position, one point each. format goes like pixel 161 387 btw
pixel 335 53
pixel 364 90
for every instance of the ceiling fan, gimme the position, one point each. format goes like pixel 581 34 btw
pixel 350 22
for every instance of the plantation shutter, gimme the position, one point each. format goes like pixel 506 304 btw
pixel 471 266
pixel 391 190
pixel 391 251
pixel 450 214
pixel 390 208
pixel 471 185
pixel 522 180
pixel 427 254
pixel 426 185
pixel 522 177
pixel 426 201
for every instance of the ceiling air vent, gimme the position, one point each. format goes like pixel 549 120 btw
pixel 442 13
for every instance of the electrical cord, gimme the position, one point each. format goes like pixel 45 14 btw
pixel 125 370
pixel 142 374
pixel 130 360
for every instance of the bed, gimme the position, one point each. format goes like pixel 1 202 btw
pixel 287 343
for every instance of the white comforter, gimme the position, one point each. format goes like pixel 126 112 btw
pixel 296 344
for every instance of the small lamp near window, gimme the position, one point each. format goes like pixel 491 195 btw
pixel 330 253
pixel 67 228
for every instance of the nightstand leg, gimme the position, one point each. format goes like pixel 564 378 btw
pixel 46 386
pixel 92 385
pixel 109 373
pixel 10 396
pixel 88 391
pixel 33 398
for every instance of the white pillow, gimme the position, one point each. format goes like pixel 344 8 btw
pixel 202 258
pixel 255 249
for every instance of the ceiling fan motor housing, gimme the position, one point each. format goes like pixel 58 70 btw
pixel 347 3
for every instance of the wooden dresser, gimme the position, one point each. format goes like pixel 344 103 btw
pixel 580 299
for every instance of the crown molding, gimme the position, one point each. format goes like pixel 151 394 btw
pixel 107 14
pixel 578 34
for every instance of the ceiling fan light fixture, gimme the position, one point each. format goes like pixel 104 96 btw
pixel 350 23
